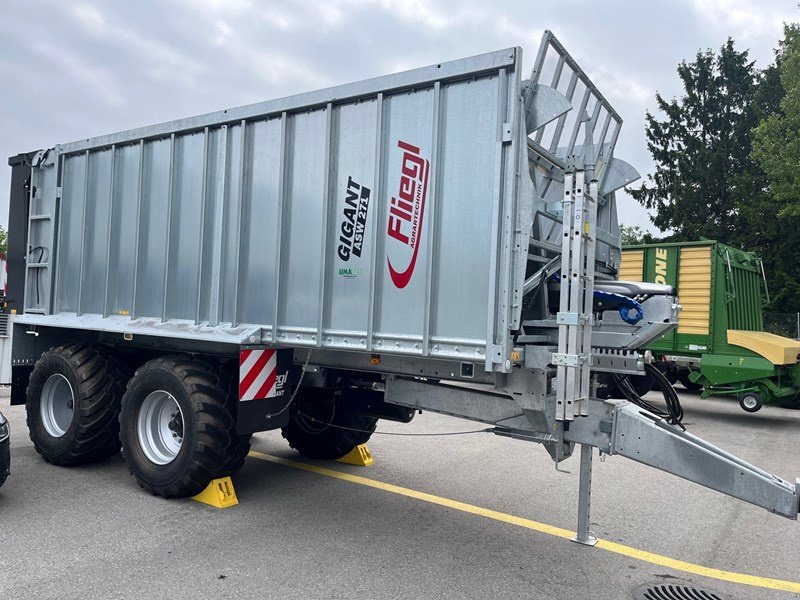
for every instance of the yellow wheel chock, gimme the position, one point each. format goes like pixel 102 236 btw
pixel 219 494
pixel 360 456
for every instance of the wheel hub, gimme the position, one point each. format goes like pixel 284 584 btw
pixel 57 405
pixel 176 425
pixel 160 427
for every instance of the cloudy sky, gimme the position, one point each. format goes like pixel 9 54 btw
pixel 77 68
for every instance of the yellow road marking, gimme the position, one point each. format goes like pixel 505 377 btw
pixel 622 549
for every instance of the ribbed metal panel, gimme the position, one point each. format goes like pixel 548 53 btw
pixel 743 312
pixel 632 266
pixel 694 290
pixel 375 216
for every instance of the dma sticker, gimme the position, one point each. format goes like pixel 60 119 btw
pixel 406 214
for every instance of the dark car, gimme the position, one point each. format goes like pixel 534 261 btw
pixel 5 450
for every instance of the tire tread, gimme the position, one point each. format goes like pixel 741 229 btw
pixel 331 443
pixel 101 379
pixel 218 450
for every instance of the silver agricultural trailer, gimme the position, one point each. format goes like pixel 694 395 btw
pixel 443 239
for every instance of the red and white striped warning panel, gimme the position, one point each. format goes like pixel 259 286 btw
pixel 258 375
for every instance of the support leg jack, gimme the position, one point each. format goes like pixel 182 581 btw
pixel 583 535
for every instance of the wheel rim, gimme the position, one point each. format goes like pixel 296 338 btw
pixel 160 427
pixel 750 402
pixel 57 405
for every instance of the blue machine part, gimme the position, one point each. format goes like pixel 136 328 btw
pixel 629 309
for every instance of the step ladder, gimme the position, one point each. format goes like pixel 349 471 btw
pixel 38 259
pixel 574 318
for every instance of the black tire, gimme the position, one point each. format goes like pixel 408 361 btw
pixel 97 381
pixel 210 447
pixel 642 384
pixel 240 444
pixel 791 405
pixel 3 477
pixel 314 429
pixel 690 385
pixel 751 401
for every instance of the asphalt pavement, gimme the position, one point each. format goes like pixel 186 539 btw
pixel 404 527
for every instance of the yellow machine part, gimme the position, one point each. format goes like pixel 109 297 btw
pixel 631 267
pixel 359 456
pixel 694 290
pixel 694 285
pixel 219 494
pixel 776 349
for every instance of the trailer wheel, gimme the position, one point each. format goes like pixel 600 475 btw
pixel 177 426
pixel 73 403
pixel 792 404
pixel 239 444
pixel 690 385
pixel 319 428
pixel 751 401
pixel 642 384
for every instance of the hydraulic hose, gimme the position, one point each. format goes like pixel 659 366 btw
pixel 674 411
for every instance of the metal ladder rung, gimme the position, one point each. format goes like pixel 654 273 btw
pixel 36 311
pixel 41 217
pixel 37 265
pixel 574 340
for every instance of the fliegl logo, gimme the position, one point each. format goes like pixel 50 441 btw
pixel 406 215
pixel 280 383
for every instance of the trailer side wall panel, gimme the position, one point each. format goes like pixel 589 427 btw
pixel 378 216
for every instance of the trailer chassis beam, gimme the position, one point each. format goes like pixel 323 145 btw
pixel 612 426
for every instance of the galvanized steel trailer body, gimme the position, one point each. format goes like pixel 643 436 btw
pixel 446 224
